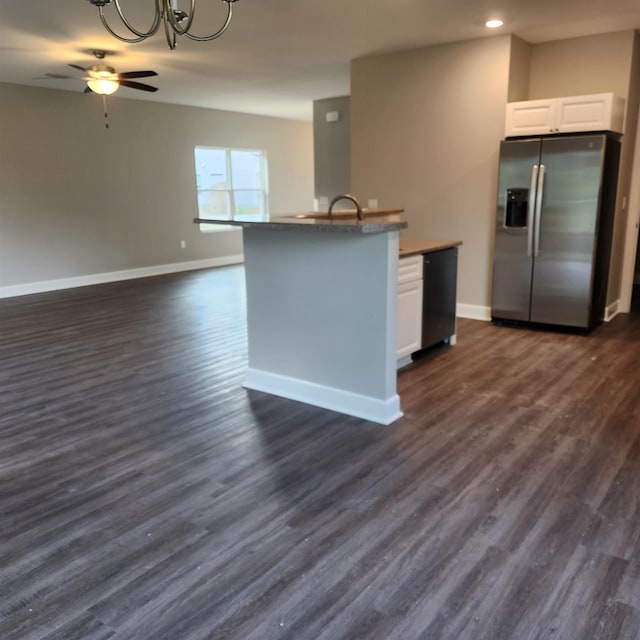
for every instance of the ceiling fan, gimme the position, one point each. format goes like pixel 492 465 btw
pixel 104 80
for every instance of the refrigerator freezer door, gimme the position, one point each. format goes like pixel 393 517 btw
pixel 564 244
pixel 512 258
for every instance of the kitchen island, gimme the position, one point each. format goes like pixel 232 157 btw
pixel 322 309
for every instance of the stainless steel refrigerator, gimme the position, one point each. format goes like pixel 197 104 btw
pixel 556 204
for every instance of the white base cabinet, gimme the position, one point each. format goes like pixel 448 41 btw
pixel 410 290
pixel 573 114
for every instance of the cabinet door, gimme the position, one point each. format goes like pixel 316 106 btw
pixel 562 279
pixel 589 113
pixel 409 317
pixel 512 259
pixel 531 117
pixel 439 301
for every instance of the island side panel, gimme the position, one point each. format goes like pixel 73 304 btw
pixel 321 313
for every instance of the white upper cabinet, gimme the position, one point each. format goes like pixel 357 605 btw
pixel 597 112
pixel 531 117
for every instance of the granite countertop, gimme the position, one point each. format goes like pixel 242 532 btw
pixel 375 221
pixel 417 246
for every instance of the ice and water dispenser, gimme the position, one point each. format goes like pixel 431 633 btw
pixel 515 211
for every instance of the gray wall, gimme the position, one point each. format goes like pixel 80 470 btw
pixel 591 64
pixel 332 147
pixel 426 126
pixel 77 199
pixel 430 143
pixel 596 64
pixel 519 70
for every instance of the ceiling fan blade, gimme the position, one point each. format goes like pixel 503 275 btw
pixel 137 74
pixel 75 66
pixel 137 85
pixel 54 76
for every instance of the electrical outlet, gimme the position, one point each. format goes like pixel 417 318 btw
pixel 372 204
pixel 183 244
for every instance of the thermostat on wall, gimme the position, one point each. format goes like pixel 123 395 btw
pixel 333 116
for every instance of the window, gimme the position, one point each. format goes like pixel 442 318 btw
pixel 231 183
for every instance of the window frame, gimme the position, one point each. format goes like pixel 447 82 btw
pixel 263 189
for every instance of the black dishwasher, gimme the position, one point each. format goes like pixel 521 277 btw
pixel 439 296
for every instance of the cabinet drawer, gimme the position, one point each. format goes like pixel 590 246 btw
pixel 410 268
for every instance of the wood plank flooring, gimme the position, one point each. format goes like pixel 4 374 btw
pixel 145 495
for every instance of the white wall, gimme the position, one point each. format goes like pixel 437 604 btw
pixel 77 199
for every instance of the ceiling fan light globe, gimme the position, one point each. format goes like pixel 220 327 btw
pixel 103 86
pixel 100 71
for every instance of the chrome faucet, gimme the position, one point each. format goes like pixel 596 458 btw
pixel 346 196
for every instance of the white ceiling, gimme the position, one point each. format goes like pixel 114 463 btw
pixel 278 55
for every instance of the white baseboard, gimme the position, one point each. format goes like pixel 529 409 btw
pixel 612 310
pixel 352 404
pixel 473 311
pixel 113 276
pixel 477 312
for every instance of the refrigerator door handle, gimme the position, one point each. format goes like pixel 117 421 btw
pixel 531 210
pixel 538 214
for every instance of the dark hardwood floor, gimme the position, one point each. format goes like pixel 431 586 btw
pixel 145 495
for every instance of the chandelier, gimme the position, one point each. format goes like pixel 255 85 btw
pixel 174 20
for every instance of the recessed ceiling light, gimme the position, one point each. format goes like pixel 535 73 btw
pixel 493 24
